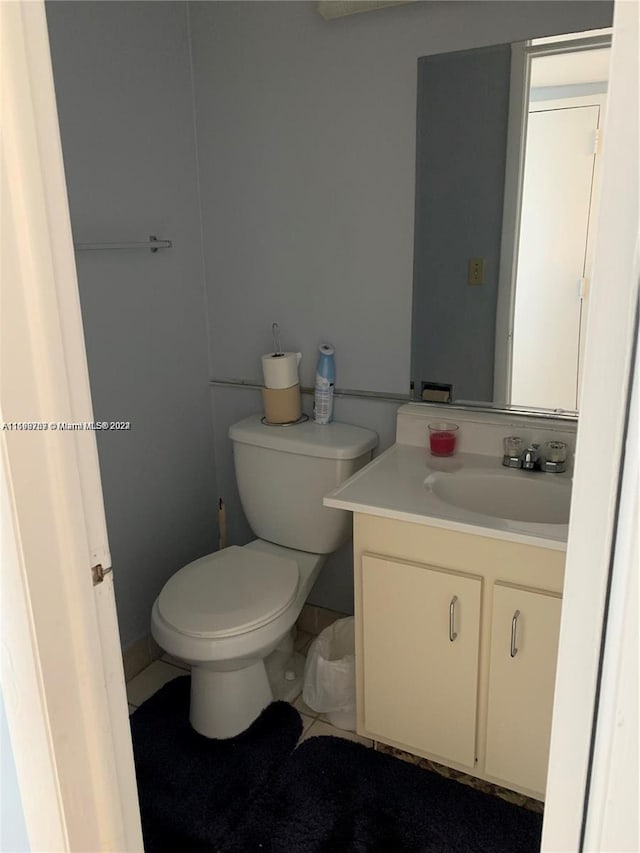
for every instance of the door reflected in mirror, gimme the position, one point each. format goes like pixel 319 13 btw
pixel 508 145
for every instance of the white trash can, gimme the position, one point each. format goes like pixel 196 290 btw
pixel 330 674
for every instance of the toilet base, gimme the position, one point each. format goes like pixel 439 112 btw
pixel 225 703
pixel 283 686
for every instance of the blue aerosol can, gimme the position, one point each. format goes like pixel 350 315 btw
pixel 325 381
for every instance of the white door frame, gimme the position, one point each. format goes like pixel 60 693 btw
pixel 522 54
pixel 601 524
pixel 62 677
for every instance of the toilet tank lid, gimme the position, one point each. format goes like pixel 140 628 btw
pixel 324 441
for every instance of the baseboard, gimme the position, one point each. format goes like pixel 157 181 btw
pixel 314 619
pixel 139 656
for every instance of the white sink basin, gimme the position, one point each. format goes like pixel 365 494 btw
pixel 516 495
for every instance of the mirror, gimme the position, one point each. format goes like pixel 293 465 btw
pixel 506 197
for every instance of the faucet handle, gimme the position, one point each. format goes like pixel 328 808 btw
pixel 554 458
pixel 512 445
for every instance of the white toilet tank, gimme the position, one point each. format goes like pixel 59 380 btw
pixel 283 472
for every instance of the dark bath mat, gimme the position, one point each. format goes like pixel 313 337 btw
pixel 336 796
pixel 194 791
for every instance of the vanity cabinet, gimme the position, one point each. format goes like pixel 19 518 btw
pixel 421 630
pixel 524 643
pixel 466 702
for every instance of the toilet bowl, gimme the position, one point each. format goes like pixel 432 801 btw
pixel 230 614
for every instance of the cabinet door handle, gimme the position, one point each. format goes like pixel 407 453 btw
pixel 452 614
pixel 514 628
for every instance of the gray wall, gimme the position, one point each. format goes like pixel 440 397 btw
pixel 123 84
pixel 463 108
pixel 306 133
pixel 13 829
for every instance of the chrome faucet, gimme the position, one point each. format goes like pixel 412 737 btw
pixel 552 459
pixel 531 458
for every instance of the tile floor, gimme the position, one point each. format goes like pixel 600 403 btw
pixel 145 684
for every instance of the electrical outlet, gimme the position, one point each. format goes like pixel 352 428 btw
pixel 476 271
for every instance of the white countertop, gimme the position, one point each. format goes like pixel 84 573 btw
pixel 393 486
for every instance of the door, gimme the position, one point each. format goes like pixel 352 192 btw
pixel 524 645
pixel 63 682
pixel 420 638
pixel 557 208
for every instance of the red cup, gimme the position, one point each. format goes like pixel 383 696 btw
pixel 442 438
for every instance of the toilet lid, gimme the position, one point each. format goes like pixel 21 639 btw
pixel 228 593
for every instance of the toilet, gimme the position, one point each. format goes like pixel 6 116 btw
pixel 230 614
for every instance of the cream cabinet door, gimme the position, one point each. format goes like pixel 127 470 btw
pixel 420 660
pixel 524 647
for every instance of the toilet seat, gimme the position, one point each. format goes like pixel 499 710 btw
pixel 228 593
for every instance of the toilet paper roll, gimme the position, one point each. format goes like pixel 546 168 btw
pixel 281 369
pixel 282 405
